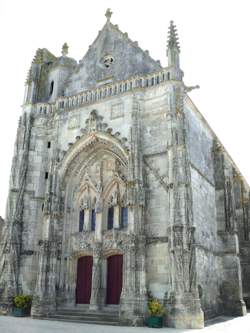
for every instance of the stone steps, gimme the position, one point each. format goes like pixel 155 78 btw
pixel 86 316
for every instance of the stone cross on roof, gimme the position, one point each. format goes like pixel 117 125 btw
pixel 108 14
pixel 65 49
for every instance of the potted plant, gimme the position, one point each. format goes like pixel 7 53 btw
pixel 156 311
pixel 21 305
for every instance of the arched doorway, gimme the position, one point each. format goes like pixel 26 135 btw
pixel 84 280
pixel 114 278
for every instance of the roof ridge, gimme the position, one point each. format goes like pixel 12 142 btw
pixel 125 35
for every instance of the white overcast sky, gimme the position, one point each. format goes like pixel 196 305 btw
pixel 215 53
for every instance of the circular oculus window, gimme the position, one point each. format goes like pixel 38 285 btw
pixel 108 60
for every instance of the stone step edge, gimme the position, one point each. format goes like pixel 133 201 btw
pixel 84 317
pixel 108 323
pixel 87 313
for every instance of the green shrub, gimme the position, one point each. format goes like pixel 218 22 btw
pixel 22 301
pixel 155 307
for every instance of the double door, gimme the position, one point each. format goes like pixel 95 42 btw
pixel 84 279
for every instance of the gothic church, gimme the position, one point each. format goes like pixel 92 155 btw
pixel 120 190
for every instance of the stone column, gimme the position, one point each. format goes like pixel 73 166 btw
pixel 103 294
pixel 44 298
pixel 183 304
pixel 98 226
pixel 116 217
pixel 128 294
pixel 141 306
pixel 96 292
pixel 131 219
pixel 87 226
pixel 11 240
pixel 69 280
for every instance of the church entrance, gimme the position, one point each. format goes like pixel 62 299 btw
pixel 114 279
pixel 84 280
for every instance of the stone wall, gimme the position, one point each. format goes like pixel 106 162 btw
pixel 216 219
pixel 158 269
pixel 200 144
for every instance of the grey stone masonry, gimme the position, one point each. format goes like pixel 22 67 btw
pixel 114 165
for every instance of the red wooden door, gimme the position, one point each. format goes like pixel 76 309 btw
pixel 84 280
pixel 114 279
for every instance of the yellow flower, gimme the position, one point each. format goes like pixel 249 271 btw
pixel 155 307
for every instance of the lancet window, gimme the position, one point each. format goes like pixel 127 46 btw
pixel 93 219
pixel 110 218
pixel 124 217
pixel 81 220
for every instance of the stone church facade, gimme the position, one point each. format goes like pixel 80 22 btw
pixel 120 190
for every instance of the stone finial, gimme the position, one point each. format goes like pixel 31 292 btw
pixel 65 49
pixel 173 41
pixel 108 14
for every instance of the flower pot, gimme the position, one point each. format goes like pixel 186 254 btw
pixel 154 321
pixel 17 312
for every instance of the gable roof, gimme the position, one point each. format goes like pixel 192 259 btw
pixel 128 59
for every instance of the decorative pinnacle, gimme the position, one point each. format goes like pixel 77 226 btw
pixel 108 14
pixel 65 49
pixel 173 40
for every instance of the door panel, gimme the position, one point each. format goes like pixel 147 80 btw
pixel 84 280
pixel 114 279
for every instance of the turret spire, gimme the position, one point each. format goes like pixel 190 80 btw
pixel 173 40
pixel 173 51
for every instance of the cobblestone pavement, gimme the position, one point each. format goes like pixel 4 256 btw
pixel 28 325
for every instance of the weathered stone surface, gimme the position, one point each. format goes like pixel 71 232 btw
pixel 117 135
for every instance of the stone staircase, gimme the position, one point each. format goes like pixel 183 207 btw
pixel 109 316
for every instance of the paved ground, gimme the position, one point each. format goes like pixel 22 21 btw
pixel 28 325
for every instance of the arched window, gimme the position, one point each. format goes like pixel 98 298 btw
pixel 110 218
pixel 124 217
pixel 93 219
pixel 81 220
pixel 51 88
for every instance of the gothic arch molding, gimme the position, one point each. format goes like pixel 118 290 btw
pixel 85 151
